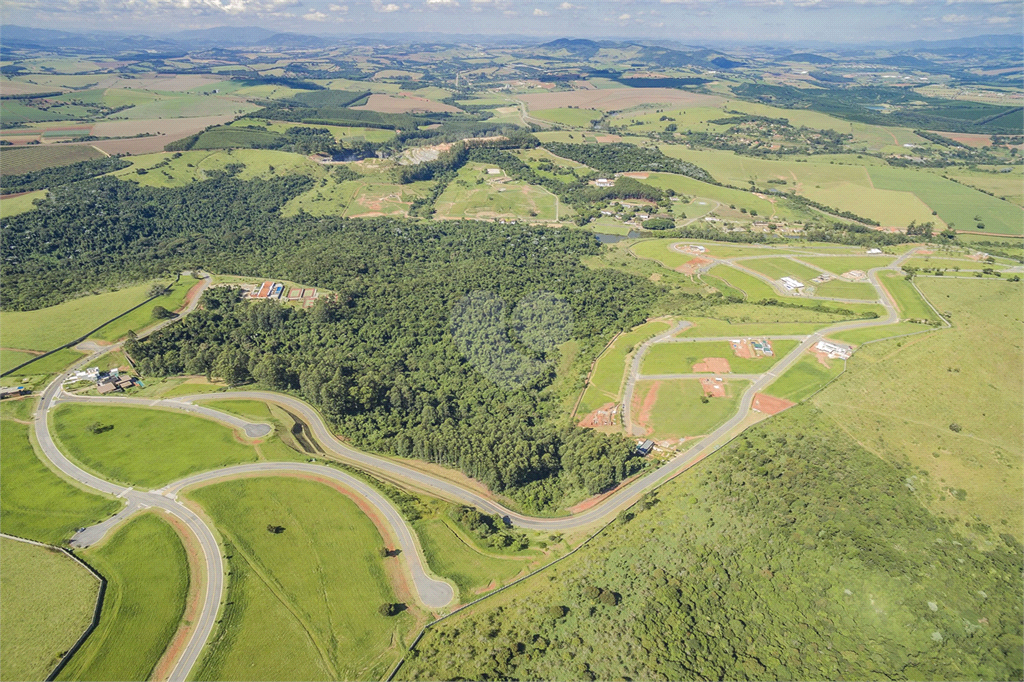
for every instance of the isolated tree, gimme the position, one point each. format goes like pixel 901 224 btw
pixel 162 313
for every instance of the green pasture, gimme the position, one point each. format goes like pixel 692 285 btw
pixel 678 411
pixel 374 194
pixel 147 583
pixel 684 185
pixel 777 268
pixel 861 336
pixel 186 105
pixel 144 447
pixel 37 157
pixel 746 320
pixel 340 132
pixel 21 204
pixel 13 111
pixel 194 165
pixel 954 203
pixel 36 503
pixel 578 118
pixel 137 320
pixel 464 198
pixel 606 380
pixel 449 555
pixel 950 263
pixel 49 328
pixel 909 302
pixel 252 410
pixel 838 288
pixel 803 378
pixel 892 207
pixel 679 358
pixel 20 409
pixel 840 264
pixel 13 358
pixel 689 118
pixel 757 290
pixel 302 604
pixel 51 364
pixel 899 398
pixel 47 600
pixel 1008 186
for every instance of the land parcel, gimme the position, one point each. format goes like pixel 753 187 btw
pixel 672 409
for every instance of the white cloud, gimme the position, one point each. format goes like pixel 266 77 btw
pixel 997 20
pixel 341 9
pixel 538 12
pixel 379 6
pixel 955 18
pixel 568 6
pixel 625 17
pixel 442 3
pixel 314 15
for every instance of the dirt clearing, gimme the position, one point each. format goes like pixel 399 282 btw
pixel 692 266
pixel 715 365
pixel 766 404
pixel 618 99
pixel 606 415
pixel 713 388
pixel 389 104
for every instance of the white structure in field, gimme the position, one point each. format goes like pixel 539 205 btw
pixel 874 251
pixel 792 284
pixel 604 182
pixel 494 171
pixel 834 350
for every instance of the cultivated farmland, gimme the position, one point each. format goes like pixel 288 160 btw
pixel 28 159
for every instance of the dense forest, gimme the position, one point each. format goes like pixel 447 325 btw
pixel 384 362
pixel 621 157
pixel 792 554
pixel 60 175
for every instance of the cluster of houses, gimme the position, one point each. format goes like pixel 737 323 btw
pixel 13 391
pixel 106 382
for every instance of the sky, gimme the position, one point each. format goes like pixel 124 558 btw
pixel 692 21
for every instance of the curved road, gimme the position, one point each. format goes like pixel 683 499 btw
pixel 432 591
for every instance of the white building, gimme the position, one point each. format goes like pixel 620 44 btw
pixel 834 350
pixel 874 251
pixel 792 284
pixel 604 182
pixel 494 171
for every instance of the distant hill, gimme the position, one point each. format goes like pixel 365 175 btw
pixel 807 58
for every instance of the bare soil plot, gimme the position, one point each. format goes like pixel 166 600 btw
pixel 618 99
pixel 969 139
pixel 606 415
pixel 690 267
pixel 713 388
pixel 163 126
pixel 769 405
pixel 388 104
pixel 716 365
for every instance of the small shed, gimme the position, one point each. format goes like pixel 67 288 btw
pixel 645 448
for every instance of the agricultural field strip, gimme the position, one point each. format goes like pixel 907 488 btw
pixel 776 287
pixel 625 498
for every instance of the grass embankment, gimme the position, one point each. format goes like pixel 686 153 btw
pixel 49 328
pixel 47 600
pixel 303 603
pixel 859 336
pixel 756 290
pixel 51 364
pixel 910 304
pixel 35 503
pixel 678 411
pixel 845 590
pixel 471 569
pixel 147 582
pixel 606 380
pixel 679 358
pixel 146 448
pixel 838 265
pixel 951 402
pixel 803 378
pixel 838 288
pixel 777 268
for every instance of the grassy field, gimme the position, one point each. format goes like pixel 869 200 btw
pixel 909 302
pixel 859 336
pixel 678 411
pixel 837 288
pixel 302 603
pixel 900 398
pixel 143 447
pixel 679 358
pixel 606 380
pixel 954 203
pixel 194 165
pixel 37 504
pixel 1009 186
pixel 890 207
pixel 138 320
pixel 47 601
pixel 950 263
pixel 756 290
pixel 465 198
pixel 51 364
pixel 20 409
pixel 777 268
pixel 20 204
pixel 689 186
pixel 147 580
pixel 803 378
pixel 13 358
pixel 253 410
pixel 450 556
pixel 38 157
pixel 339 132
pixel 840 264
pixel 578 118
pixel 49 328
